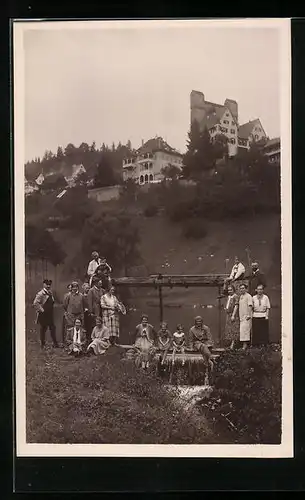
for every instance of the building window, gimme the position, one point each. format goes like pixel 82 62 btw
pixel 232 141
pixel 226 122
pixel 146 178
pixel 141 179
pixel 232 131
pixel 151 177
pixel 227 114
pixel 256 137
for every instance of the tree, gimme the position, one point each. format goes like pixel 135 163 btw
pixel 113 147
pixel 75 205
pixel 129 190
pixel 60 153
pixel 93 147
pixel 84 148
pixel 128 145
pixel 171 172
pixel 54 182
pixel 40 244
pixel 116 237
pixel 202 153
pixel 105 175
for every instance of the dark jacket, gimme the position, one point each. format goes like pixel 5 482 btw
pixel 256 279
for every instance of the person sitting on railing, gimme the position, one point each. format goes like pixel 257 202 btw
pixel 103 272
pixel 93 264
pixel 164 341
pixel 200 340
pixel 237 273
pixel 179 343
pixel 145 341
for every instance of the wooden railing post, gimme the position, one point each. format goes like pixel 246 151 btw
pixel 161 303
pixel 219 317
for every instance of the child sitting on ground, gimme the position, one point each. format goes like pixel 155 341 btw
pixel 179 343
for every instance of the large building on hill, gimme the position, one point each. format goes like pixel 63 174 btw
pixel 145 165
pixel 223 119
pixel 272 149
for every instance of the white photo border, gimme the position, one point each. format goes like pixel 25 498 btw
pixel 24 449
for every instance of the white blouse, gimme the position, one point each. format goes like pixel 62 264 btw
pixel 260 305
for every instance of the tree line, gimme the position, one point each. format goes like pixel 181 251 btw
pixel 103 165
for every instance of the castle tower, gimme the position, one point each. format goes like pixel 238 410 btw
pixel 197 102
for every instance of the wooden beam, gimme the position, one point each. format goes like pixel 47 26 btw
pixel 170 281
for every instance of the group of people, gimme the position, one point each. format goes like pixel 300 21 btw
pixel 247 312
pixel 148 341
pixel 91 317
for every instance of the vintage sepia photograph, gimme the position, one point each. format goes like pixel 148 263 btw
pixel 152 170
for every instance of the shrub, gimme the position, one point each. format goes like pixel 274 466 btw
pixel 248 394
pixel 194 228
pixel 150 211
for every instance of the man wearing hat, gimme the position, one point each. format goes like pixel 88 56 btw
pixel 44 304
pixel 256 277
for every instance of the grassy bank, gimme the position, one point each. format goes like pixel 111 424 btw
pixel 103 400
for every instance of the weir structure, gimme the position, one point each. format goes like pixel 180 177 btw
pixel 160 281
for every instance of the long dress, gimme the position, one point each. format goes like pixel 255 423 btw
pixel 111 309
pixel 244 307
pixel 232 327
pixel 145 341
pixel 100 339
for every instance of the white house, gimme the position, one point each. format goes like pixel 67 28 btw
pixel 146 164
pixel 223 119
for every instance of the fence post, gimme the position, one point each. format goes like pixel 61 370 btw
pixel 219 317
pixel 161 303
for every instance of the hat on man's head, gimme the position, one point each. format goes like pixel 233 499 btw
pixel 47 282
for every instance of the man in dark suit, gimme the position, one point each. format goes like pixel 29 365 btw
pixel 256 277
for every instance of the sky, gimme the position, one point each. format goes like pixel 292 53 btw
pixel 114 84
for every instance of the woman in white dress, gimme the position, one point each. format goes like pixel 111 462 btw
pixel 245 315
pixel 100 338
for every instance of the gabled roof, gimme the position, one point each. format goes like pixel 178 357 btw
pixel 246 129
pixel 157 144
pixel 273 142
pixel 214 117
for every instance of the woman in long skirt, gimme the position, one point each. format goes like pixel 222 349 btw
pixel 232 323
pixel 245 315
pixel 260 321
pixel 111 310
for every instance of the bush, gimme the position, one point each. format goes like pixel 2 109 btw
pixel 150 211
pixel 248 394
pixel 194 228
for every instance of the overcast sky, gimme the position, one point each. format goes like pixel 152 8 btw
pixel 109 85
